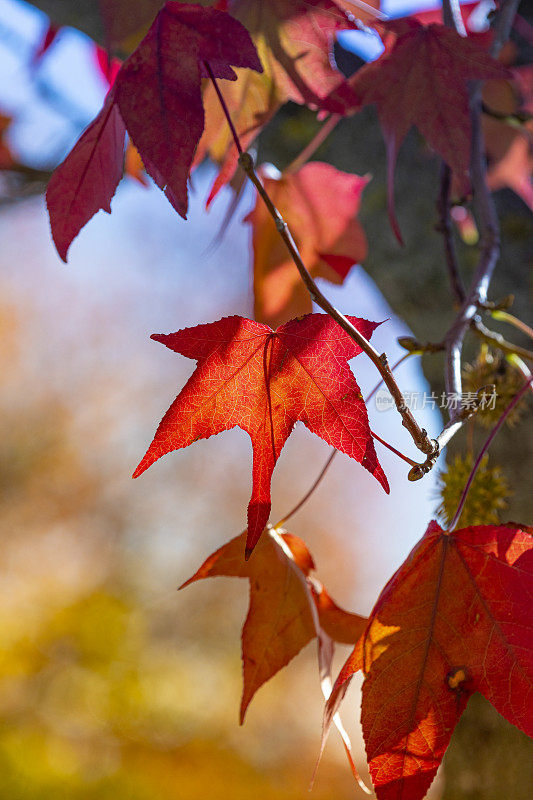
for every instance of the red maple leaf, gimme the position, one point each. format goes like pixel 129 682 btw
pixel 320 204
pixel 157 93
pixel 422 80
pixel 264 381
pixel 287 610
pixel 453 620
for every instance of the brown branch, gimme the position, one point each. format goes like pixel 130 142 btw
pixel 419 435
pixel 445 227
pixel 486 218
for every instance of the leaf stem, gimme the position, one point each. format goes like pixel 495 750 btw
pixel 516 399
pixel 224 107
pixel 308 494
pixel 497 340
pixel 394 450
pixel 380 361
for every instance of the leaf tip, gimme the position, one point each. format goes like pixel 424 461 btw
pixel 139 469
pixel 247 553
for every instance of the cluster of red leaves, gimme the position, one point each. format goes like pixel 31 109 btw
pixel 454 618
pixel 156 98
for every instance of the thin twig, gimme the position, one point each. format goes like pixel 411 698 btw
pixel 419 435
pixel 516 399
pixel 511 118
pixel 332 455
pixel 451 14
pixel 321 135
pixel 308 494
pixel 504 316
pixel 225 109
pixel 497 340
pixel 445 227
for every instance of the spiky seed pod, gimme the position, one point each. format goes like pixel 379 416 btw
pixel 492 368
pixel 488 494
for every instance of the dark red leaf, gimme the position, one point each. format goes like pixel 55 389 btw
pixel 423 80
pixel 87 179
pixel 158 89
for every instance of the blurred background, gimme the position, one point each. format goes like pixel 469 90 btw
pixel 111 683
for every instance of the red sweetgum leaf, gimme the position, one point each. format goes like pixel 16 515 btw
pixel 320 204
pixel 158 88
pixel 107 67
pixel 87 179
pixel 264 381
pixel 295 39
pixel 453 620
pixel 281 617
pixel 422 80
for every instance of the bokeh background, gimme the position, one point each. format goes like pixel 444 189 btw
pixel 113 684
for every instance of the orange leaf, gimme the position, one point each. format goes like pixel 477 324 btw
pixel 281 617
pixel 509 148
